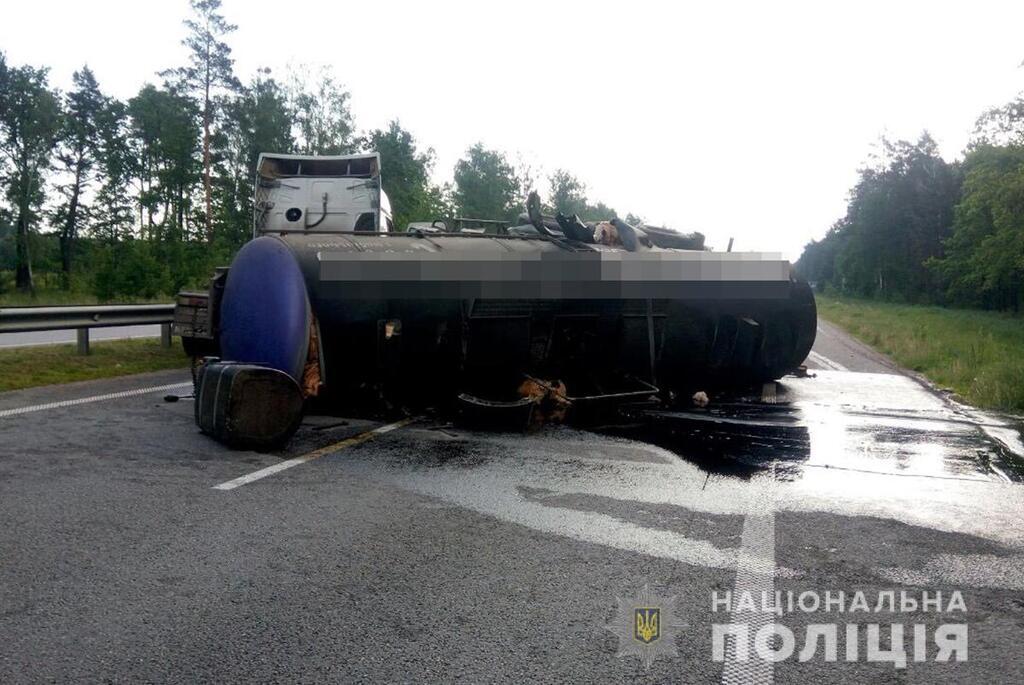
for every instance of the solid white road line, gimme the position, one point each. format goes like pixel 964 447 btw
pixel 822 360
pixel 95 398
pixel 755 575
pixel 315 454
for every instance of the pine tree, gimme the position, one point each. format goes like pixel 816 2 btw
pixel 77 150
pixel 210 69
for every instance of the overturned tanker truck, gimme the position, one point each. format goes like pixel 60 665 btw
pixel 329 305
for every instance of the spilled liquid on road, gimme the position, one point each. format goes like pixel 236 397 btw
pixel 869 430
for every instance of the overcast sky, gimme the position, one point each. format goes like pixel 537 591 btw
pixel 736 119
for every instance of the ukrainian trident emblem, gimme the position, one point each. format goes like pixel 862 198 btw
pixel 646 628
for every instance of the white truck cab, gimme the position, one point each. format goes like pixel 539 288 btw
pixel 320 193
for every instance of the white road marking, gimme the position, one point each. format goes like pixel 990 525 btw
pixel 315 454
pixel 755 575
pixel 95 398
pixel 496 490
pixel 822 360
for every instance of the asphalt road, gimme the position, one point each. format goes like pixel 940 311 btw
pixel 33 338
pixel 130 552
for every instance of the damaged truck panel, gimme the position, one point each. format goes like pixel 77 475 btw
pixel 325 193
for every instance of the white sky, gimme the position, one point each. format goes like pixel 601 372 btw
pixel 736 119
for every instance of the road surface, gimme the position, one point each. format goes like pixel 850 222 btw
pixel 33 338
pixel 135 549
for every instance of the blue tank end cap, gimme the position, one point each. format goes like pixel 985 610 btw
pixel 265 313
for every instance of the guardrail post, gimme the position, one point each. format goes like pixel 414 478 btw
pixel 83 340
pixel 165 335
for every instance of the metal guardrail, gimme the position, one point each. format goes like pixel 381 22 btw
pixel 84 317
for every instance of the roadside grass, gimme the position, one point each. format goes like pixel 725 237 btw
pixel 977 354
pixel 49 293
pixel 53 297
pixel 26 367
pixel 46 298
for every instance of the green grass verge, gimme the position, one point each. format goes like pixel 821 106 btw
pixel 46 298
pixel 977 354
pixel 56 297
pixel 26 367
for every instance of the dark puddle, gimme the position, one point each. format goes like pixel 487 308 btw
pixel 742 440
pixel 441 449
pixel 737 442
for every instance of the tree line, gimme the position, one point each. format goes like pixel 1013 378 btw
pixel 144 196
pixel 923 230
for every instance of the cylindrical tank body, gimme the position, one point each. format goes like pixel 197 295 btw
pixel 423 316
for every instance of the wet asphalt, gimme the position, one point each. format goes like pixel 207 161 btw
pixel 438 553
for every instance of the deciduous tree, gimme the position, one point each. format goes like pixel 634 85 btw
pixel 165 136
pixel 258 120
pixel 118 167
pixel 406 175
pixel 29 123
pixel 568 194
pixel 486 186
pixel 983 263
pixel 323 122
pixel 898 215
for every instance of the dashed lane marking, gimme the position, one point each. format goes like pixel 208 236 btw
pixel 822 360
pixel 310 456
pixel 95 398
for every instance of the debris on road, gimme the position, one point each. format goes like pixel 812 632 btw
pixel 247 406
pixel 550 399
